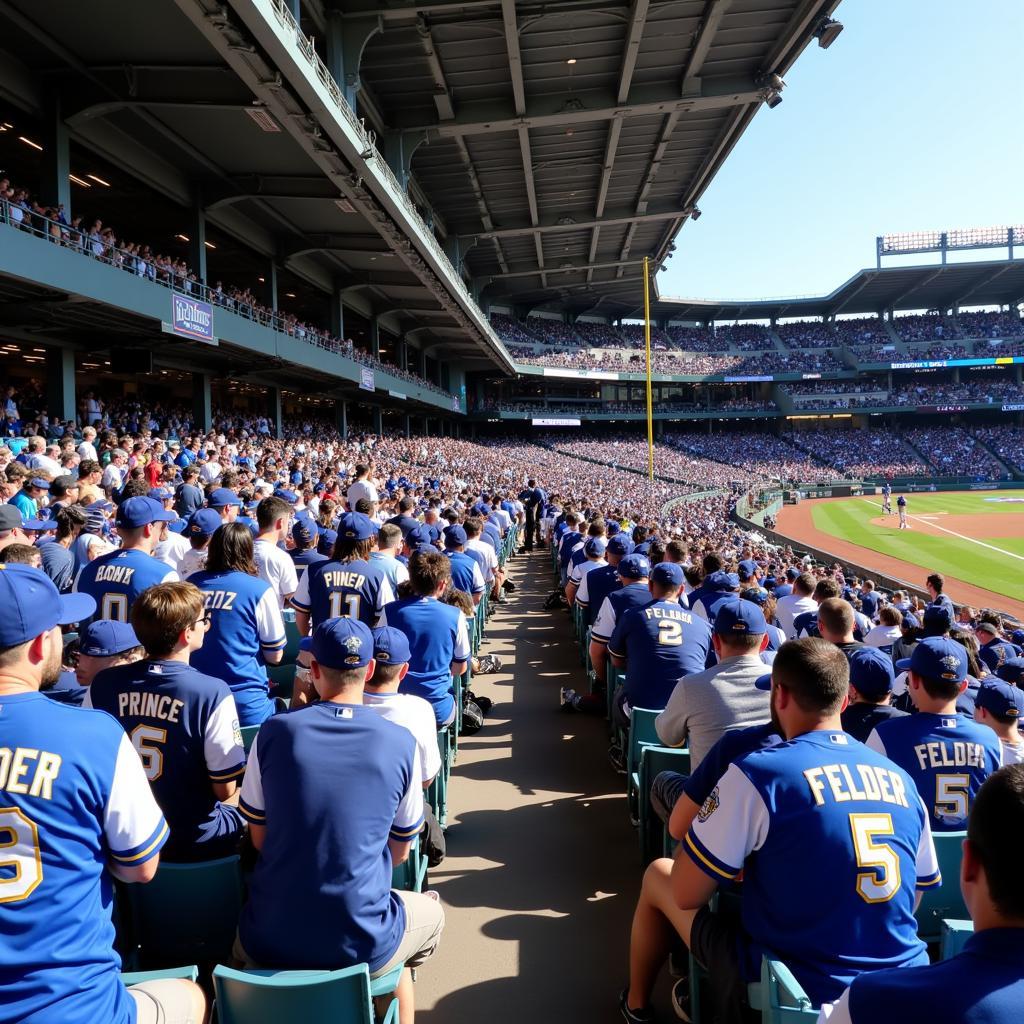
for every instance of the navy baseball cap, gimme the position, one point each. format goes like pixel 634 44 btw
pixel 668 574
pixel 612 528
pixel 100 506
pixel 938 658
pixel 137 512
pixel 390 646
pixel 634 567
pixel 341 643
pixel 937 620
pixel 39 524
pixel 791 574
pixel 326 543
pixel 1012 671
pixel 204 522
pixel 357 526
pixel 10 517
pixel 756 594
pixel 222 497
pixel 721 581
pixel 454 536
pixel 619 545
pixel 739 618
pixel 1017 636
pixel 103 638
pixel 748 565
pixel 871 671
pixel 160 493
pixel 1000 698
pixel 910 621
pixel 770 581
pixel 290 496
pixel 418 536
pixel 40 483
pixel 302 532
pixel 33 605
pixel 595 547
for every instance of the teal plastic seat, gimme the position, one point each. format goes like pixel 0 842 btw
pixel 654 835
pixel 954 935
pixel 779 996
pixel 292 638
pixel 437 791
pixel 411 875
pixel 248 735
pixel 641 732
pixel 312 997
pixel 190 973
pixel 187 914
pixel 944 902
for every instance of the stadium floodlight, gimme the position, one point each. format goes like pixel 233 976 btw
pixel 773 99
pixel 694 212
pixel 827 32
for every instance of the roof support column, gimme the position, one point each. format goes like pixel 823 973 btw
pixel 271 287
pixel 197 241
pixel 346 38
pixel 202 403
pixel 337 315
pixel 378 420
pixel 61 402
pixel 341 417
pixel 408 425
pixel 55 165
pixel 274 412
pixel 375 337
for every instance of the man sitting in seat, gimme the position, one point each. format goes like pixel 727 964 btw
pixel 102 644
pixel 985 982
pixel 333 798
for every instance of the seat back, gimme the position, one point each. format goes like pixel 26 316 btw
pixel 292 638
pixel 641 731
pixel 954 936
pixel 944 901
pixel 782 999
pixel 248 735
pixel 313 997
pixel 654 836
pixel 188 913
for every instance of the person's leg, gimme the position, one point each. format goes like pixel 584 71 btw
pixel 666 789
pixel 168 1001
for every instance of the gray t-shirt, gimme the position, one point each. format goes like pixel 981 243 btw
pixel 704 706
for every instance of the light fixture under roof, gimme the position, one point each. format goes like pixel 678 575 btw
pixel 344 205
pixel 209 245
pixel 79 181
pixel 571 60
pixel 98 180
pixel 29 142
pixel 182 238
pixel 289 295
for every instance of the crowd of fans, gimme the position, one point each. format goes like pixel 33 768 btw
pixel 1007 442
pixel 759 454
pixel 953 451
pixel 861 453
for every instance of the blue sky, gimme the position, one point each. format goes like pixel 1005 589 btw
pixel 909 121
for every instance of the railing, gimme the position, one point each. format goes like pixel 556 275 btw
pixel 132 262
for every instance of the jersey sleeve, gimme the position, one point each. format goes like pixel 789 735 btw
pixel 576 574
pixel 478 580
pixel 222 743
pixel 133 824
pixel 250 802
pixel 837 1012
pixel 731 823
pixel 462 648
pixel 617 641
pixel 385 595
pixel 269 622
pixel 604 624
pixel 171 577
pixel 928 874
pixel 583 592
pixel 288 578
pixel 874 741
pixel 698 609
pixel 401 573
pixel 430 752
pixel 409 817
pixel 300 598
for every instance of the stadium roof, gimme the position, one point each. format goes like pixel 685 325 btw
pixel 563 141
pixel 933 286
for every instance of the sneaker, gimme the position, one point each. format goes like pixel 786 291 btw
pixel 489 663
pixel 509 587
pixel 645 1015
pixel 681 999
pixel 568 698
pixel 617 759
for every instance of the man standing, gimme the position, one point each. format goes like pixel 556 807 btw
pixel 901 506
pixel 934 585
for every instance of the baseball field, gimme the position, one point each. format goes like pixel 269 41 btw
pixel 975 538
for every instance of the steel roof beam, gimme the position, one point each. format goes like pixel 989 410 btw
pixel 916 286
pixel 986 280
pixel 714 11
pixel 566 270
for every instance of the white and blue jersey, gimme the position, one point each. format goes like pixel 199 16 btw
pixel 466 575
pixel 355 590
pixel 245 618
pixel 661 643
pixel 304 559
pixel 74 798
pixel 184 726
pixel 633 595
pixel 832 841
pixel 947 756
pixel 113 581
pixel 320 896
pixel 594 587
pixel 437 636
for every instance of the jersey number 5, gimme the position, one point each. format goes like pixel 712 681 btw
pixel 882 881
pixel 951 797
pixel 19 849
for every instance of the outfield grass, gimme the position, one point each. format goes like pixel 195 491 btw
pixel 995 570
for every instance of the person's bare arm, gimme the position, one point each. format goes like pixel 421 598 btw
pixel 258 835
pixel 682 817
pixel 142 873
pixel 302 620
pixel 399 851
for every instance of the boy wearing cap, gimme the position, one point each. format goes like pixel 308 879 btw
pixel 947 754
pixel 274 518
pixel 999 704
pixel 102 644
pixel 593 551
pixel 705 705
pixel 225 503
pixel 202 525
pixel 385 556
pixel 173 545
pixel 115 580
pixel 76 805
pixel 466 575
pixel 597 584
pixel 27 500
pixel 183 724
pixel 333 799
pixel 304 553
pixel 871 682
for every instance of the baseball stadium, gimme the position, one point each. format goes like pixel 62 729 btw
pixel 416 611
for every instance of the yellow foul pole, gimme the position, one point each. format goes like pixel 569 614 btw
pixel 647 345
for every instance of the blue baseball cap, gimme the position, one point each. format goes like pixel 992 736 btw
pixel 612 528
pixel 326 543
pixel 739 618
pixel 390 646
pixel 40 483
pixel 418 536
pixel 33 605
pixel 100 506
pixel 1000 698
pixel 204 522
pixel 722 581
pixel 357 526
pixel 910 621
pixel 302 532
pixel 595 547
pixel 667 574
pixel 937 620
pixel 938 658
pixel 160 493
pixel 39 524
pixel 341 643
pixel 290 496
pixel 756 594
pixel 454 536
pixel 138 512
pixel 1017 636
pixel 619 545
pixel 749 566
pixel 791 574
pixel 1012 671
pixel 871 671
pixel 103 638
pixel 222 497
pixel 634 567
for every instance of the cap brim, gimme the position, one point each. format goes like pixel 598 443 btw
pixel 764 682
pixel 306 643
pixel 903 665
pixel 39 524
pixel 74 608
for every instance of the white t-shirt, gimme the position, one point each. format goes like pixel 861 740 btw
pixel 192 561
pixel 359 490
pixel 476 544
pixel 882 636
pixel 211 471
pixel 788 608
pixel 416 715
pixel 277 568
pixel 172 550
pixel 1013 753
pixel 87 450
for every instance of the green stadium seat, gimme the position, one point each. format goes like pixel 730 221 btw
pixel 437 791
pixel 954 935
pixel 187 914
pixel 779 996
pixel 654 836
pixel 291 633
pixel 946 901
pixel 641 732
pixel 248 735
pixel 313 997
pixel 412 875
pixel 138 977
pixel 282 679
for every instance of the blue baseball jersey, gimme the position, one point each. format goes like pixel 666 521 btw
pixel 184 726
pixel 320 896
pixel 116 579
pixel 832 840
pixel 661 643
pixel 595 586
pixel 305 558
pixel 806 624
pixel 734 744
pixel 869 603
pixel 491 534
pixel 947 756
pixel 356 590
pixel 996 652
pixel 437 635
pixel 74 797
pixel 245 619
pixel 466 575
pixel 632 595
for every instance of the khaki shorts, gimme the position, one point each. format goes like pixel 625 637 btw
pixel 167 1001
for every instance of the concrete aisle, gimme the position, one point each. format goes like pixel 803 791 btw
pixel 543 868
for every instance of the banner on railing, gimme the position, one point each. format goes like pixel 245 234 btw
pixel 191 318
pixel 396 394
pixel 366 379
pixel 749 380
pixel 555 423
pixel 1013 407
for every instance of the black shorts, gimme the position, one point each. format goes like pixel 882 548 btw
pixel 719 944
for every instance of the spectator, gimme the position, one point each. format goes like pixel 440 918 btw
pixel 102 644
pixel 389 543
pixel 999 704
pixel 276 567
pixel 799 601
pixel 304 553
pixel 202 525
pixel 871 683
pixel 888 630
